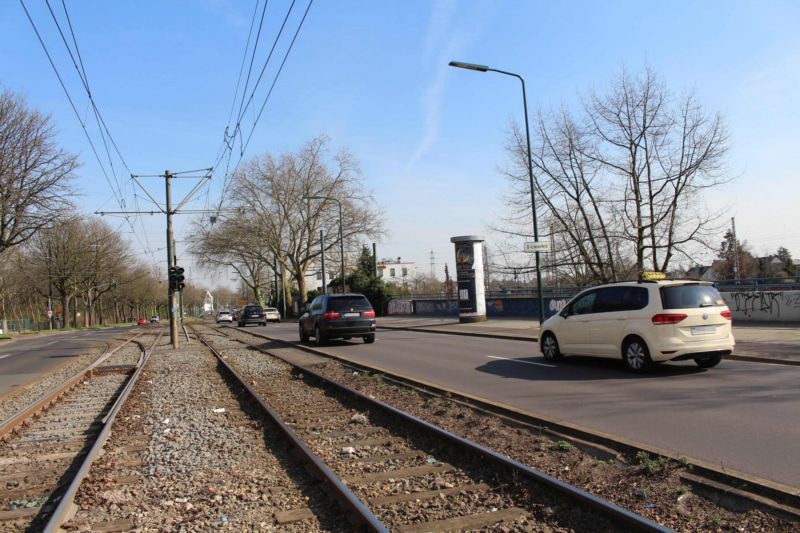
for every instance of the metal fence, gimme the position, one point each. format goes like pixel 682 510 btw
pixel 758 284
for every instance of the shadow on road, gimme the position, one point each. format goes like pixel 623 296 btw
pixel 575 368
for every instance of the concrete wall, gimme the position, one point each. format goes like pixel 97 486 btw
pixel 497 307
pixel 764 306
pixel 436 307
pixel 399 307
pixel 523 307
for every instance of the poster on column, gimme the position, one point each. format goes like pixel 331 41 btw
pixel 465 277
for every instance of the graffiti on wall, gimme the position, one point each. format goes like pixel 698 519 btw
pixel 400 307
pixel 764 306
pixel 759 301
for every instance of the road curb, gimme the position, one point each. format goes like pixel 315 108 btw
pixel 463 333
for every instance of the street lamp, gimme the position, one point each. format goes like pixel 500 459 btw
pixel 484 68
pixel 341 228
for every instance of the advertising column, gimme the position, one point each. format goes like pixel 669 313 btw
pixel 469 274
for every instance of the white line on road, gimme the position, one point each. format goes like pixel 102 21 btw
pixel 518 361
pixel 4 356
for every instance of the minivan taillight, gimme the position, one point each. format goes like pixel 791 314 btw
pixel 726 314
pixel 368 314
pixel 329 315
pixel 668 318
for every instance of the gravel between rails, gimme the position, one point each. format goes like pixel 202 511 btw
pixel 647 486
pixel 18 400
pixel 290 394
pixel 174 464
pixel 128 354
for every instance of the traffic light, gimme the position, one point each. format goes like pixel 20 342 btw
pixel 176 278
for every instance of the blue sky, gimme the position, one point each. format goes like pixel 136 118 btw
pixel 373 76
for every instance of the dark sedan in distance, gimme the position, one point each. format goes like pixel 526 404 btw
pixel 252 314
pixel 338 316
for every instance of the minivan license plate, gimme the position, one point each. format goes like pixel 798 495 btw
pixel 350 315
pixel 702 330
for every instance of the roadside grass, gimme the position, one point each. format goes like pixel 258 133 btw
pixel 650 464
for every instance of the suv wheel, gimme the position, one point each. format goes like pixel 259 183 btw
pixel 636 355
pixel 708 362
pixel 303 334
pixel 550 349
pixel 318 337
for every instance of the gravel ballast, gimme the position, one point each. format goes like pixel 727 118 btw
pixel 290 393
pixel 647 485
pixel 185 455
pixel 18 400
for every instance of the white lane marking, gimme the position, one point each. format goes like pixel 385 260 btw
pixel 51 342
pixel 518 361
pixel 6 355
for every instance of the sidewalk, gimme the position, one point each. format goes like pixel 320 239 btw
pixel 754 342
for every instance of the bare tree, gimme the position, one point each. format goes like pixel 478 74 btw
pixel 667 153
pixel 235 245
pixel 270 194
pixel 34 173
pixel 619 184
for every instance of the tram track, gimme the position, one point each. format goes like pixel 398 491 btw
pixel 47 443
pixel 408 474
pixel 669 489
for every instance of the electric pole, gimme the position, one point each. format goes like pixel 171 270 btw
pixel 322 255
pixel 171 301
pixel 735 249
pixel 175 272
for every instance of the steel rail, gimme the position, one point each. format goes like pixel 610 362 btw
pixel 778 496
pixel 66 504
pixel 340 491
pixel 49 398
pixel 605 507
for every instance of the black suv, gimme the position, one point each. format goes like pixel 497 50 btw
pixel 338 316
pixel 252 314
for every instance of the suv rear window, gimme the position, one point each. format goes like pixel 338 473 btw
pixel 690 296
pixel 252 309
pixel 345 303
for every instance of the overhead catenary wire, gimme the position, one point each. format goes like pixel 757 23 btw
pixel 229 175
pixel 116 191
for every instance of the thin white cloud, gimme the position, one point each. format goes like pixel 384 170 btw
pixel 440 43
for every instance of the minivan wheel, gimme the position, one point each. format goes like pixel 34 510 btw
pixel 708 362
pixel 637 356
pixel 550 349
pixel 369 339
pixel 320 340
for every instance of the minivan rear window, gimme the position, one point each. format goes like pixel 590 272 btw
pixel 690 296
pixel 346 303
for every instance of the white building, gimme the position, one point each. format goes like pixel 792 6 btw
pixel 396 271
pixel 314 278
pixel 208 303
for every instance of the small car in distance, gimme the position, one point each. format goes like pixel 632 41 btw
pixel 142 321
pixel 645 322
pixel 252 314
pixel 224 316
pixel 154 319
pixel 338 316
pixel 272 314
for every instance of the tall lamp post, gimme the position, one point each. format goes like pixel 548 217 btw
pixel 341 228
pixel 484 68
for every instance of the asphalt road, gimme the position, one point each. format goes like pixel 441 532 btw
pixel 741 415
pixel 28 359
